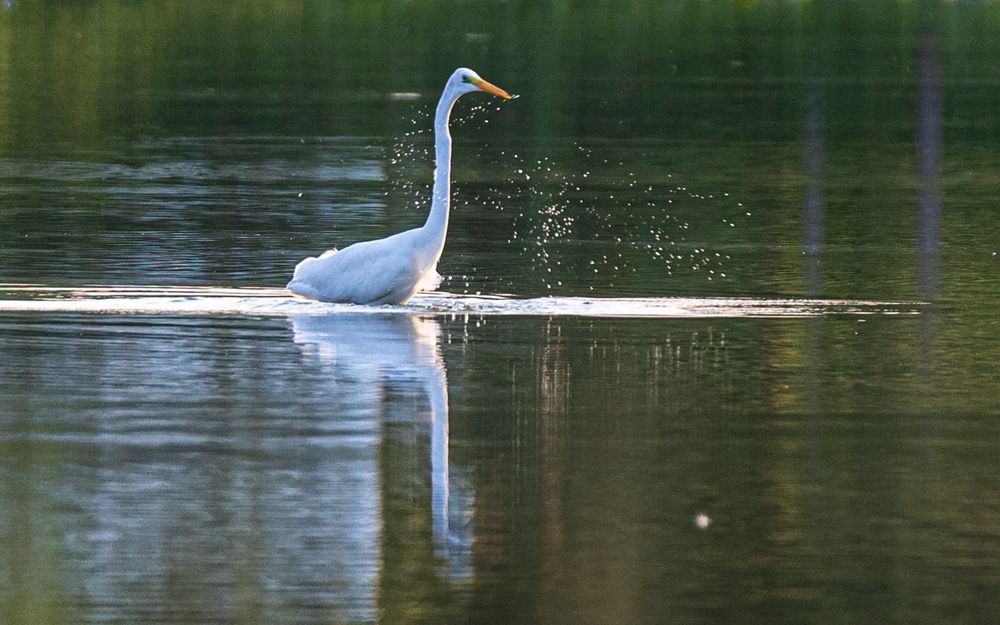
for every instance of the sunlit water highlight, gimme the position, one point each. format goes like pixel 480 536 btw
pixel 202 300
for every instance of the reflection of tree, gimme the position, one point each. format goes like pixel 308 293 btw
pixel 813 148
pixel 928 140
pixel 591 444
pixel 800 438
pixel 306 486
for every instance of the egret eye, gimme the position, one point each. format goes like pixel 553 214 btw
pixel 466 78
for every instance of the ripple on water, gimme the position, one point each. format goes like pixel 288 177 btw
pixel 201 300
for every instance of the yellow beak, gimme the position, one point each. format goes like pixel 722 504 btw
pixel 490 88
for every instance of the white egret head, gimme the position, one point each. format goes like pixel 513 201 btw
pixel 465 80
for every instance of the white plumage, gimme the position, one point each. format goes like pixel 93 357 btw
pixel 391 270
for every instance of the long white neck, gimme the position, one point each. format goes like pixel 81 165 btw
pixel 436 227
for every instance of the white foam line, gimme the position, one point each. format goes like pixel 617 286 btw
pixel 279 302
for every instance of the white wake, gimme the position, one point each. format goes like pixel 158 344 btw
pixel 184 300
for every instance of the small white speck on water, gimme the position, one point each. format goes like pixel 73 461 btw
pixel 702 521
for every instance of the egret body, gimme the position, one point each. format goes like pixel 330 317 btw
pixel 391 270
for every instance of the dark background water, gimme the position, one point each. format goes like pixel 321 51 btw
pixel 184 469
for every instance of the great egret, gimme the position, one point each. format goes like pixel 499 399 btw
pixel 391 270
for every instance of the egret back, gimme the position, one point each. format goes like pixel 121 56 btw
pixel 384 271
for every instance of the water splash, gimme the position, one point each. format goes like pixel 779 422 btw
pixel 634 224
pixel 637 224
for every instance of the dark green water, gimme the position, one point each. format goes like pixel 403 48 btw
pixel 398 468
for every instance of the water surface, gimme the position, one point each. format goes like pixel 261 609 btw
pixel 718 341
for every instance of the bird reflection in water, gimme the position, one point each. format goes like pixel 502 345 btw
pixel 398 357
